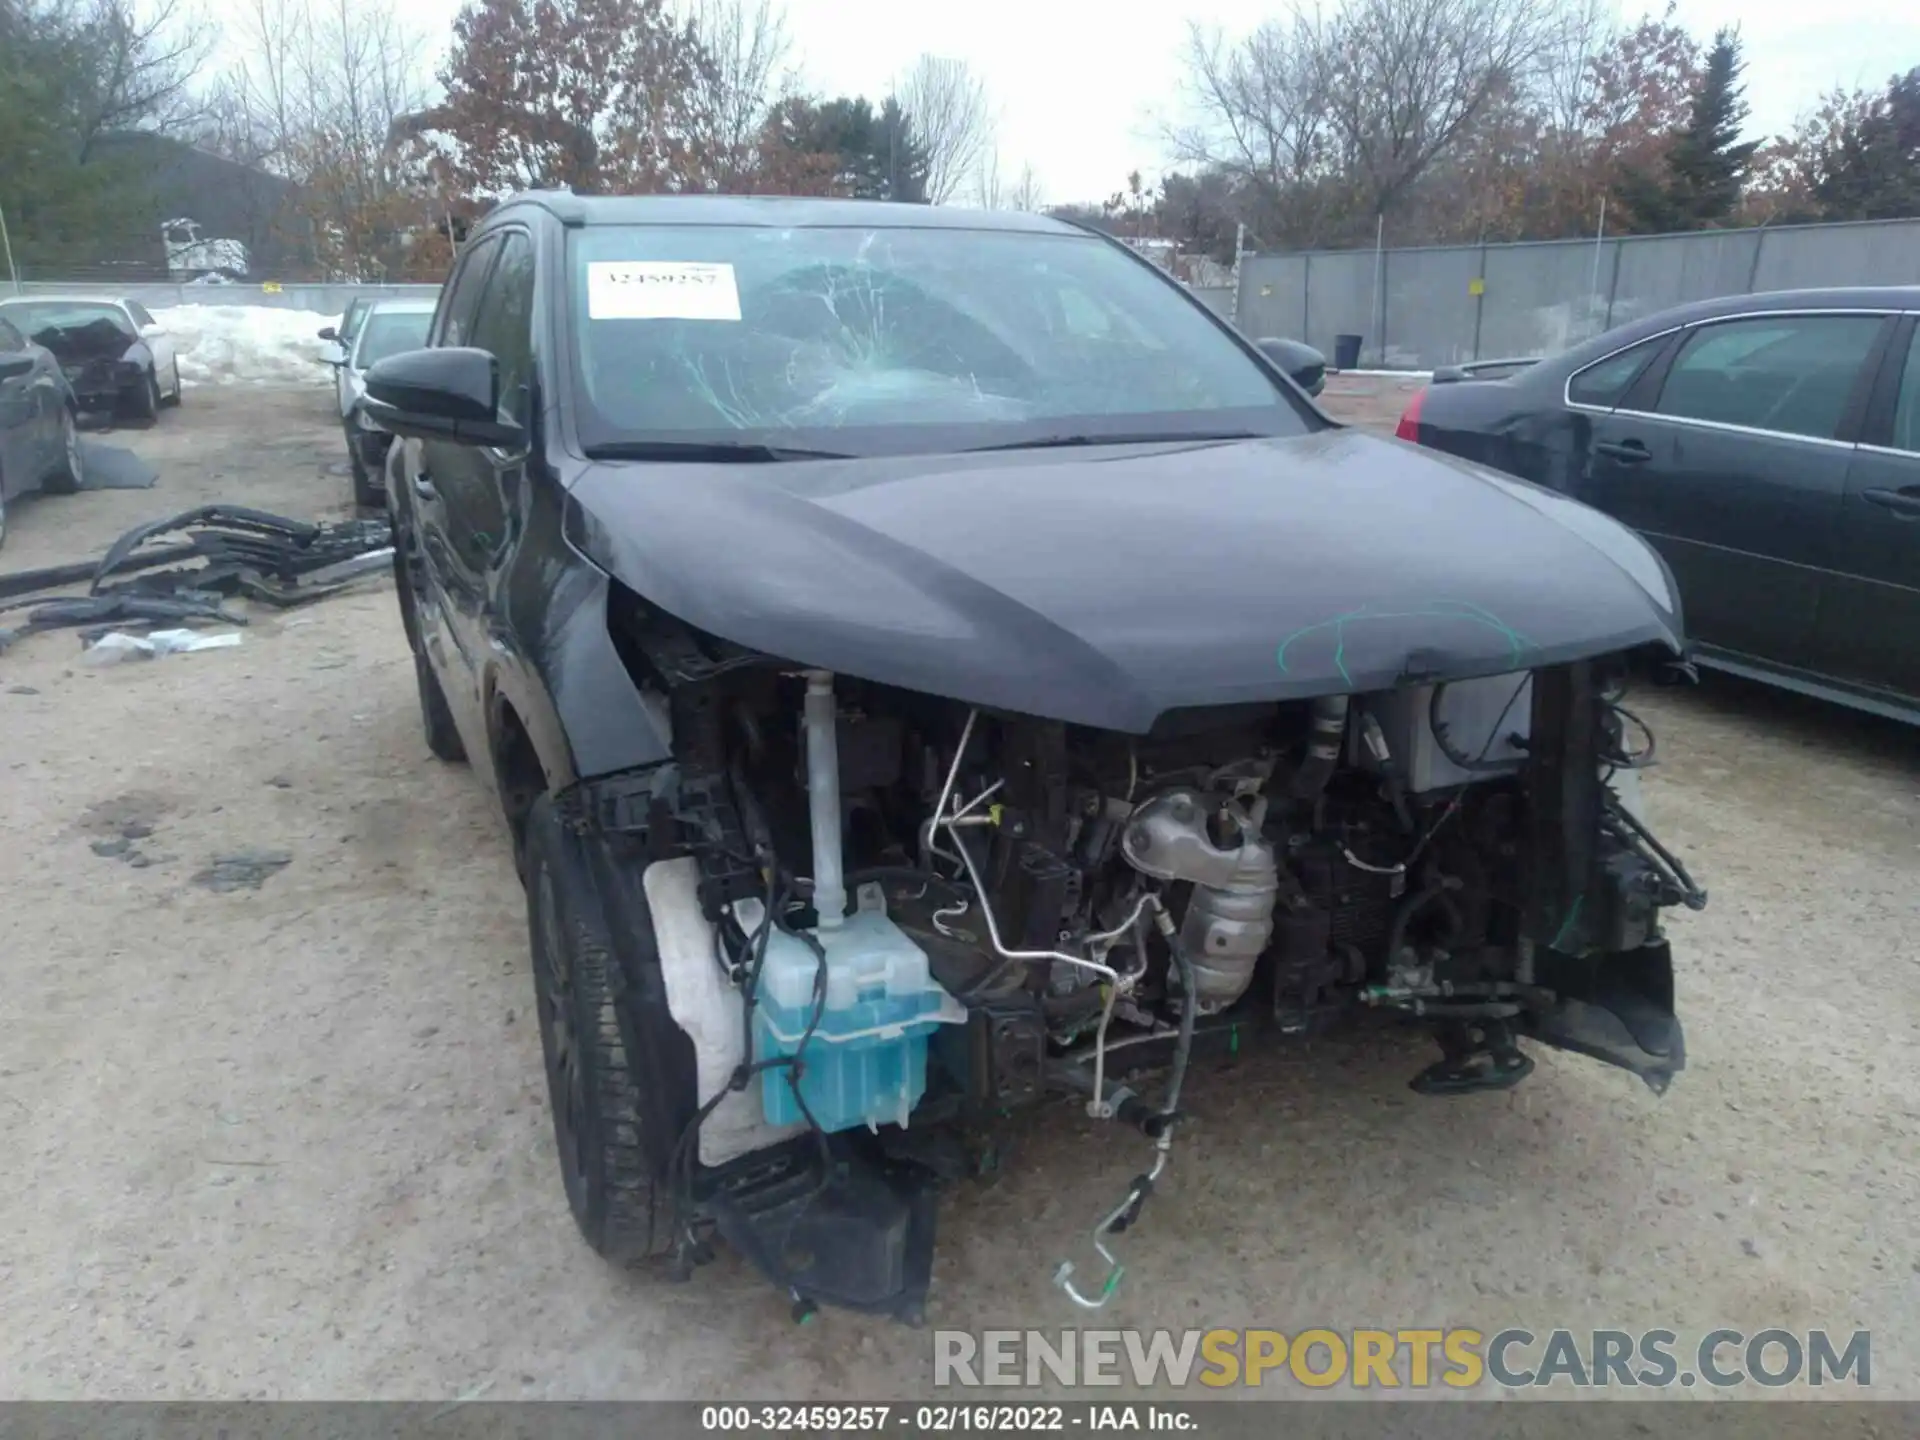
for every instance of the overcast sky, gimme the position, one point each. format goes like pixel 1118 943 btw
pixel 1082 87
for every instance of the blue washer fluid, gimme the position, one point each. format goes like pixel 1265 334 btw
pixel 866 1061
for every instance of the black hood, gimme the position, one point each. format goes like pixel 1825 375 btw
pixel 77 344
pixel 1106 586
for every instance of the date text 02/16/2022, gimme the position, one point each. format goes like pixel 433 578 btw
pixel 943 1419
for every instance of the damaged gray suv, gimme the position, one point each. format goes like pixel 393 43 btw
pixel 930 666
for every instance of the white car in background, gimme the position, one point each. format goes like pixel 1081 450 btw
pixel 115 355
pixel 385 327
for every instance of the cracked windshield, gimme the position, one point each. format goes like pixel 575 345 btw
pixel 1008 336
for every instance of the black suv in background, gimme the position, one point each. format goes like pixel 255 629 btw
pixel 1768 445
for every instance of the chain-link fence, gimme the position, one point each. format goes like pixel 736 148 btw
pixel 1413 309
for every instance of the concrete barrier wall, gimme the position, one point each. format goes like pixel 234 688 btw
pixel 321 298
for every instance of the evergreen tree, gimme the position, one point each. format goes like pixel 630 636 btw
pixel 72 77
pixel 1706 167
pixel 845 147
pixel 1871 168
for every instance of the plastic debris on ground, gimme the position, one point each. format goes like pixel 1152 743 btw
pixel 248 344
pixel 212 554
pixel 118 645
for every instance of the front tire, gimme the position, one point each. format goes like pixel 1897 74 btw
pixel 366 494
pixel 601 1128
pixel 64 479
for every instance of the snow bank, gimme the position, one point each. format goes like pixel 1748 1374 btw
pixel 248 344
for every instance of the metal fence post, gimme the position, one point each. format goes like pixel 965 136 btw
pixel 1306 297
pixel 1753 269
pixel 1239 273
pixel 6 244
pixel 1480 300
pixel 1381 338
pixel 1613 283
pixel 1377 322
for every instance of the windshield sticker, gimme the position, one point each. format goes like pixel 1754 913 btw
pixel 661 290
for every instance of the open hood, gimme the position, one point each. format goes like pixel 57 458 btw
pixel 1107 586
pixel 76 344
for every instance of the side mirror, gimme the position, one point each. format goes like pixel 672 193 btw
pixel 1306 366
pixel 327 332
pixel 449 393
pixel 13 366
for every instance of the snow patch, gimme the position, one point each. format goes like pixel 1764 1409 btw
pixel 248 344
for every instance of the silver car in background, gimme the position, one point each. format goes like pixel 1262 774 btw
pixel 386 327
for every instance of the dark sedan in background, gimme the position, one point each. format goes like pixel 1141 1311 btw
pixel 1769 447
pixel 39 446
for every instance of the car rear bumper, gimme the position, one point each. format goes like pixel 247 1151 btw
pixel 99 384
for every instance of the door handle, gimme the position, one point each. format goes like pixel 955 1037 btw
pixel 1905 501
pixel 1627 452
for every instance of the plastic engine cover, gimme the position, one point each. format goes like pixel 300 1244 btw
pixel 866 1061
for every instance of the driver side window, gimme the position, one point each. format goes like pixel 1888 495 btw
pixel 459 307
pixel 504 324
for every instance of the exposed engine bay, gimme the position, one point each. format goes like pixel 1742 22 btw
pixel 925 914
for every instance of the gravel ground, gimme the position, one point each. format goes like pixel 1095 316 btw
pixel 292 1141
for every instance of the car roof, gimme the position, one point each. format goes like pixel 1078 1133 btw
pixel 1763 302
pixel 781 211
pixel 403 305
pixel 1836 297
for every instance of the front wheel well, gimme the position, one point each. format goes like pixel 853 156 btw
pixel 517 769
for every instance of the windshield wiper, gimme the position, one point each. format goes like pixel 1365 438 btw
pixel 722 452
pixel 1144 437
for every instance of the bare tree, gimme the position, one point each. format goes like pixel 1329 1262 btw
pixel 1405 78
pixel 987 191
pixel 1333 115
pixel 1259 113
pixel 1027 193
pixel 315 97
pixel 127 67
pixel 946 104
pixel 747 47
pixel 1566 73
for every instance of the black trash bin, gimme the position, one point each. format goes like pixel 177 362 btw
pixel 1346 352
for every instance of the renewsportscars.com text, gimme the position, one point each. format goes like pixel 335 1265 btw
pixel 1413 1359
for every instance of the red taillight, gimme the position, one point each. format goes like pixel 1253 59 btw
pixel 1409 426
